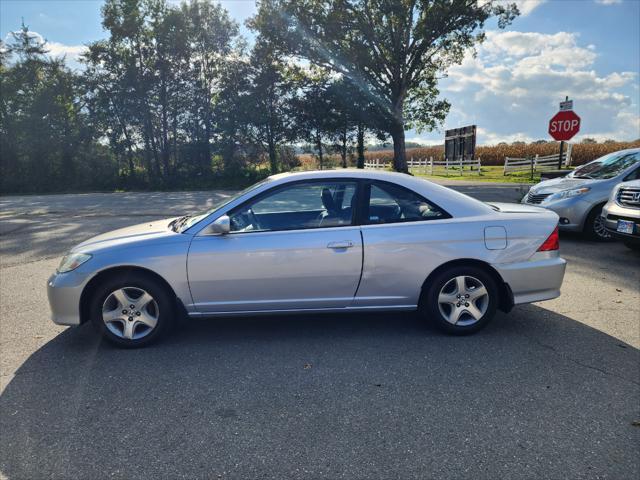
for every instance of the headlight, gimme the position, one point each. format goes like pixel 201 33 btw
pixel 567 194
pixel 72 261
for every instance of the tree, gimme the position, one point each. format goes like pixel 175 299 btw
pixel 393 50
pixel 313 111
pixel 47 141
pixel 352 115
pixel 156 81
pixel 269 106
pixel 214 41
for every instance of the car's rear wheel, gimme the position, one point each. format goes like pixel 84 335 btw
pixel 460 300
pixel 132 310
pixel 594 226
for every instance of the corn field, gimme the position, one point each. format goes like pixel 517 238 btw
pixel 495 154
pixel 492 154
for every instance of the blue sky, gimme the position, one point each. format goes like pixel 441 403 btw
pixel 587 49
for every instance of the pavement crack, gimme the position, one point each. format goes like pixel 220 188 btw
pixel 578 362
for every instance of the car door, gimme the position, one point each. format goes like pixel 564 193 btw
pixel 293 247
pixel 402 242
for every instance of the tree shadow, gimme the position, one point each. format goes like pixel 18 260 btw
pixel 536 394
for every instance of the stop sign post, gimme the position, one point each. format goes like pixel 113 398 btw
pixel 564 125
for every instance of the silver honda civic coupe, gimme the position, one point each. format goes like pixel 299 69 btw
pixel 328 241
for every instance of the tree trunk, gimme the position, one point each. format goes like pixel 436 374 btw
pixel 399 153
pixel 319 147
pixel 360 147
pixel 397 134
pixel 165 127
pixel 273 158
pixel 205 168
pixel 343 149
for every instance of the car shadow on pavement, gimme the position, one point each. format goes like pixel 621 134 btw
pixel 536 394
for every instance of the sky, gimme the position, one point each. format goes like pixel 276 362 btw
pixel 586 49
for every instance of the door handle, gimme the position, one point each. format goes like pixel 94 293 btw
pixel 340 244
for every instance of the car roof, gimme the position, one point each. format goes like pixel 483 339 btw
pixel 454 202
pixel 342 172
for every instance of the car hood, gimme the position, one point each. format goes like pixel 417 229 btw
pixel 564 183
pixel 129 235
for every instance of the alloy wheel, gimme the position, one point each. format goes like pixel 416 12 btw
pixel 130 313
pixel 599 229
pixel 463 300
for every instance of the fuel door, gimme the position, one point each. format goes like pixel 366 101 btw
pixel 495 238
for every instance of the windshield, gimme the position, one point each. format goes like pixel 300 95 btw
pixel 188 221
pixel 608 166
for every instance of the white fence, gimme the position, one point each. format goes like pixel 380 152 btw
pixel 429 166
pixel 537 163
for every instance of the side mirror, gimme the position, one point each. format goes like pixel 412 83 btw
pixel 221 226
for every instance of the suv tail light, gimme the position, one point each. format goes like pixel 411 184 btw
pixel 551 243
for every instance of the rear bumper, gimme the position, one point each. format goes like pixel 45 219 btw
pixel 535 280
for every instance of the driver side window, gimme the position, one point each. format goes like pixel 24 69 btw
pixel 299 206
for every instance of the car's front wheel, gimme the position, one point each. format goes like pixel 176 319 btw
pixel 594 226
pixel 132 310
pixel 460 300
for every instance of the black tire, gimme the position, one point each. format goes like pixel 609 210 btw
pixel 132 282
pixel 594 226
pixel 430 306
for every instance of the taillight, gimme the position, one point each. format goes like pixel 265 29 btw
pixel 551 243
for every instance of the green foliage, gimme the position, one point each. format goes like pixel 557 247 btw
pixel 392 50
pixel 47 141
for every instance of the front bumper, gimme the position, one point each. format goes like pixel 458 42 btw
pixel 535 280
pixel 64 291
pixel 612 212
pixel 572 212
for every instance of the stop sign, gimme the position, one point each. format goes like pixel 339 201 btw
pixel 564 125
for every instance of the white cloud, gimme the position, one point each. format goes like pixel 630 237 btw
pixel 71 53
pixel 608 2
pixel 493 138
pixel 526 6
pixel 515 82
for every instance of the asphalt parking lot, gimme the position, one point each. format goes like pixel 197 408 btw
pixel 551 390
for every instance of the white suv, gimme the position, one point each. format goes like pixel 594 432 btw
pixel 621 215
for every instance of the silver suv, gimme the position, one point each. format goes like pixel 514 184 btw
pixel 578 197
pixel 621 215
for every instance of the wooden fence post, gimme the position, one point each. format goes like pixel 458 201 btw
pixel 506 162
